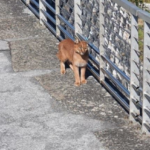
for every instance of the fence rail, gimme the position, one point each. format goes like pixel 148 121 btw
pixel 111 28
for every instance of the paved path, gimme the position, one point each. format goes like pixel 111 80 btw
pixel 42 110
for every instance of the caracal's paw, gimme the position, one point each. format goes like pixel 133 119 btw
pixel 63 72
pixel 77 83
pixel 83 81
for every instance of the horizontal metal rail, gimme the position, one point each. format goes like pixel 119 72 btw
pixel 49 26
pixel 32 8
pixel 48 6
pixel 94 60
pixel 49 16
pixel 60 37
pixel 66 22
pixel 116 68
pixel 116 82
pixel 130 7
pixel 116 95
pixel 65 32
pixel 91 69
pixel 35 3
pixel 133 9
pixel 121 100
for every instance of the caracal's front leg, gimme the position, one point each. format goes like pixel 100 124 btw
pixel 76 74
pixel 83 80
pixel 62 67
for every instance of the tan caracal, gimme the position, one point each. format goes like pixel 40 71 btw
pixel 76 54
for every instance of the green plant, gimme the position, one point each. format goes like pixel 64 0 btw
pixel 140 4
pixel 137 2
pixel 140 41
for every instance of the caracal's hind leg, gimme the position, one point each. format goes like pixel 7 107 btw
pixel 62 68
pixel 83 80
pixel 70 65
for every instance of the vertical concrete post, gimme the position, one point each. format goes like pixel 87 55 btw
pixel 77 20
pixel 57 9
pixel 41 15
pixel 146 81
pixel 101 38
pixel 27 2
pixel 134 70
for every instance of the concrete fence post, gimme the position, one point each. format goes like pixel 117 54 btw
pixel 77 20
pixel 57 9
pixel 41 14
pixel 27 2
pixel 101 38
pixel 134 110
pixel 146 81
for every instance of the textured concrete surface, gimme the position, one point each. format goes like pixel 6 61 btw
pixel 90 99
pixel 4 45
pixel 29 120
pixel 34 53
pixel 42 110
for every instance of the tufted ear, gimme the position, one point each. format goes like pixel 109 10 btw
pixel 77 40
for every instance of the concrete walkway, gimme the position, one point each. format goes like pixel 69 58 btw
pixel 42 110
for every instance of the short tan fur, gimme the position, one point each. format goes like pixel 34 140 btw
pixel 76 54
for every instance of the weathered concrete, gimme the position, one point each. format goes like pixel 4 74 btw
pixel 5 62
pixel 4 45
pixel 28 119
pixel 34 53
pixel 42 110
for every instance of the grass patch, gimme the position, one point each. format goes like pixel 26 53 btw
pixel 141 38
pixel 146 1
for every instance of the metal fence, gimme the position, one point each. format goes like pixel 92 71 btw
pixel 119 58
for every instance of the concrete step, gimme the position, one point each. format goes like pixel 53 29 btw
pixel 5 62
pixel 5 57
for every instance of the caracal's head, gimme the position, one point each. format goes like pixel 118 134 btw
pixel 81 47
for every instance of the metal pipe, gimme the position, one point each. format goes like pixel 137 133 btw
pixel 33 9
pixel 48 6
pixel 49 26
pixel 116 68
pixel 94 60
pixel 49 17
pixel 90 68
pixel 116 95
pixel 66 22
pixel 65 32
pixel 60 38
pixel 116 82
pixel 35 3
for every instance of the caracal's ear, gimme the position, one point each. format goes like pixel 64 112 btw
pixel 77 40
